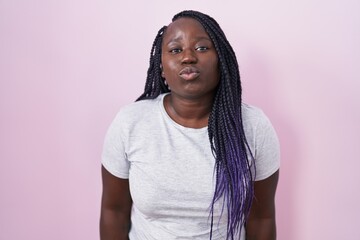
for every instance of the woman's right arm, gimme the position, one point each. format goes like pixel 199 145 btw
pixel 115 207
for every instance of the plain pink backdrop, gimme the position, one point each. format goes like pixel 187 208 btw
pixel 66 67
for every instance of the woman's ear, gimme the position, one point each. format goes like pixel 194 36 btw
pixel 162 71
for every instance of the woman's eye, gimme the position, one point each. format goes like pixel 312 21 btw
pixel 175 50
pixel 201 49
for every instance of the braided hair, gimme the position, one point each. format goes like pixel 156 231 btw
pixel 234 180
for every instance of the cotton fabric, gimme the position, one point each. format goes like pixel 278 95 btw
pixel 171 169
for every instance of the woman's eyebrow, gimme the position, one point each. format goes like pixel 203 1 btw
pixel 203 38
pixel 178 39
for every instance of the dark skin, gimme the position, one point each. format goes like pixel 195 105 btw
pixel 261 223
pixel 186 45
pixel 115 207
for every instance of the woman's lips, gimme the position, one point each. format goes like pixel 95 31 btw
pixel 189 76
pixel 189 73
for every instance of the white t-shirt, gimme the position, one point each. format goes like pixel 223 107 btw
pixel 171 169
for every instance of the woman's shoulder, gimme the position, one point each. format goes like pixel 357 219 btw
pixel 131 114
pixel 255 121
pixel 139 108
pixel 263 141
pixel 251 113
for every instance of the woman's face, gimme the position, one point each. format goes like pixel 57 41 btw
pixel 189 59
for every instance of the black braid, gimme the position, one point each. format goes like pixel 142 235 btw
pixel 155 83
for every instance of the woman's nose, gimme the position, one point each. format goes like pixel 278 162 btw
pixel 189 57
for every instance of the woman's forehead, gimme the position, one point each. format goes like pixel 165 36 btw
pixel 185 25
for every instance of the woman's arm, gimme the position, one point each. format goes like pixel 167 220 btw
pixel 115 208
pixel 261 222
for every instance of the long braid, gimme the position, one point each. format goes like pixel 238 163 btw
pixel 234 180
pixel 155 83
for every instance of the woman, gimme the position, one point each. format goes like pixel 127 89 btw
pixel 189 160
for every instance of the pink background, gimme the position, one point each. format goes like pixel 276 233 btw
pixel 66 67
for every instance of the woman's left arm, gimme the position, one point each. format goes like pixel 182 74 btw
pixel 261 223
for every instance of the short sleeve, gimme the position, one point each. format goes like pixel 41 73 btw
pixel 113 156
pixel 267 149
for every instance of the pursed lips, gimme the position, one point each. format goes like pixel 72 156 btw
pixel 189 73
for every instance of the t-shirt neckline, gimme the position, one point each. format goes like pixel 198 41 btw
pixel 170 120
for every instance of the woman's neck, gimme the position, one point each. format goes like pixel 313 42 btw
pixel 192 113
